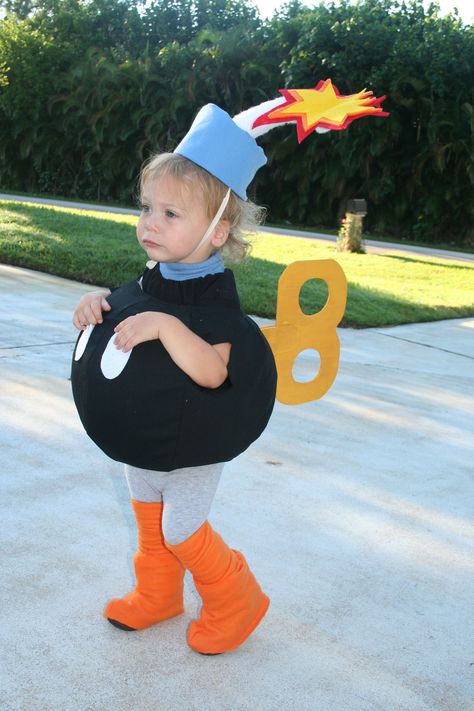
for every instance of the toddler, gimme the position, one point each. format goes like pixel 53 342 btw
pixel 194 386
pixel 170 377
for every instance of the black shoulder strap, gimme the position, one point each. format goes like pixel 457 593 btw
pixel 126 295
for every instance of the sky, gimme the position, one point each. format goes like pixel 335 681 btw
pixel 465 7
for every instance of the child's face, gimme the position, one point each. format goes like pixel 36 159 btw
pixel 173 220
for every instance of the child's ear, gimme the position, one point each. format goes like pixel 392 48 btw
pixel 221 233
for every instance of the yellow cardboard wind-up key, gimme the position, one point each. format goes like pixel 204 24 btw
pixel 294 331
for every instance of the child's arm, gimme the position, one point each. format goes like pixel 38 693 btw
pixel 89 309
pixel 205 364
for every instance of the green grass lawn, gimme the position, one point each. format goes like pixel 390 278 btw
pixel 101 248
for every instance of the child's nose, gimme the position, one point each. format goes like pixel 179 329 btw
pixel 152 222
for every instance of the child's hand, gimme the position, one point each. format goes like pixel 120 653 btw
pixel 89 309
pixel 137 329
pixel 205 364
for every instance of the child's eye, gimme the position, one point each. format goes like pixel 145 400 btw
pixel 170 213
pixel 145 208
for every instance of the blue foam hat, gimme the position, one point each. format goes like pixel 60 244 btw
pixel 228 152
pixel 226 146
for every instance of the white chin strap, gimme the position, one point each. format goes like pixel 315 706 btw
pixel 214 222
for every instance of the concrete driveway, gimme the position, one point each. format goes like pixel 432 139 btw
pixel 355 513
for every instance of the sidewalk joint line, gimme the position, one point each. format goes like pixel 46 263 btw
pixel 426 345
pixel 36 345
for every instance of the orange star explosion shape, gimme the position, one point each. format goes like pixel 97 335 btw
pixel 322 107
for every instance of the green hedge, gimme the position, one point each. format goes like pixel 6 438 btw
pixel 88 90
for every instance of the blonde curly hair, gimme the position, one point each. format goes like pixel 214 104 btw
pixel 242 216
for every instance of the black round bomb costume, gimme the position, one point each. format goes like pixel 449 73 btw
pixel 153 415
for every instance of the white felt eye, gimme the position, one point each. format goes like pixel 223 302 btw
pixel 82 342
pixel 113 361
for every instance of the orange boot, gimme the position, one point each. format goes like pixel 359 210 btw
pixel 232 602
pixel 158 594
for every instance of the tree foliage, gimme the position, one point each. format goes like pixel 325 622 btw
pixel 89 89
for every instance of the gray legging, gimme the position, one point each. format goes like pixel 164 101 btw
pixel 187 495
